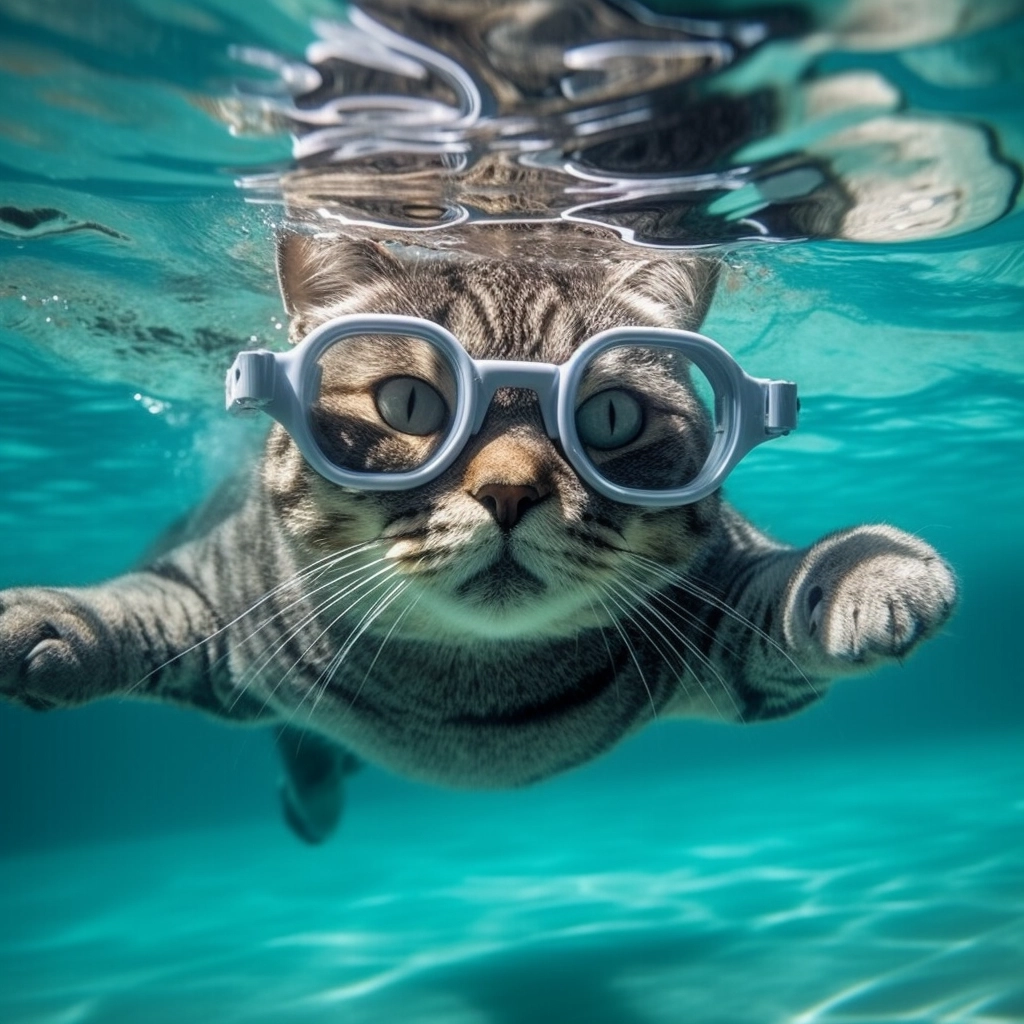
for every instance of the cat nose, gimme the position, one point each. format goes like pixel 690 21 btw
pixel 508 502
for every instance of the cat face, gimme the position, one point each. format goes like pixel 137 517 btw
pixel 508 541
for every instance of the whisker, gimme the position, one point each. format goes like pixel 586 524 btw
pixel 309 571
pixel 688 615
pixel 695 621
pixel 334 599
pixel 691 617
pixel 695 589
pixel 369 617
pixel 629 646
pixel 326 674
pixel 608 651
pixel 303 597
pixel 314 687
pixel 387 636
pixel 270 651
pixel 629 607
pixel 691 647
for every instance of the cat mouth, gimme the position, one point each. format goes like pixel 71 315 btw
pixel 504 581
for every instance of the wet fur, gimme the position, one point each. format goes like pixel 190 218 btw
pixel 411 630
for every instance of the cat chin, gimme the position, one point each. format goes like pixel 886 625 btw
pixel 481 616
pixel 505 582
pixel 495 589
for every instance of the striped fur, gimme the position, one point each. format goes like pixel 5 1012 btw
pixel 413 630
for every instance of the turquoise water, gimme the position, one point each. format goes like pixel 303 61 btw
pixel 860 862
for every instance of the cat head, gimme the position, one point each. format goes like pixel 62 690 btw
pixel 508 541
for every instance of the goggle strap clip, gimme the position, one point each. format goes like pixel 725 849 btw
pixel 781 407
pixel 249 386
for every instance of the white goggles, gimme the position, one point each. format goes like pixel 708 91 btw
pixel 646 416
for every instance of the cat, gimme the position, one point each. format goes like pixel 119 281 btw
pixel 497 625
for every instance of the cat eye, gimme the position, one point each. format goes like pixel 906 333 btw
pixel 411 405
pixel 609 419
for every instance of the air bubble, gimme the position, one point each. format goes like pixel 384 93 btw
pixel 154 406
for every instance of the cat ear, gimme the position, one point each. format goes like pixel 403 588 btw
pixel 676 290
pixel 316 273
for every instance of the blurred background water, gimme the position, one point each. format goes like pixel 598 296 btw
pixel 860 862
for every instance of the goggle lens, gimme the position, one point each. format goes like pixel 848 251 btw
pixel 382 403
pixel 643 417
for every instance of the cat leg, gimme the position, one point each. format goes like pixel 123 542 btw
pixel 313 788
pixel 148 634
pixel 787 621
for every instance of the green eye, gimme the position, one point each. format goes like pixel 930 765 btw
pixel 609 419
pixel 411 405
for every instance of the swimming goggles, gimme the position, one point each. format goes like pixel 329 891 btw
pixel 360 388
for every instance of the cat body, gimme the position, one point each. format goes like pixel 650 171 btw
pixel 503 622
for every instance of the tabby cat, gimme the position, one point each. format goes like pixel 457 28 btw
pixel 504 621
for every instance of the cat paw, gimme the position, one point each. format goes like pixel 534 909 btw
pixel 312 791
pixel 47 650
pixel 868 594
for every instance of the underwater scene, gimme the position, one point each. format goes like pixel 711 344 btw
pixel 854 170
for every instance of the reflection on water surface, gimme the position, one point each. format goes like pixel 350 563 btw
pixel 663 129
pixel 485 126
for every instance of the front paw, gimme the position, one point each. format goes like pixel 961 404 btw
pixel 48 649
pixel 867 594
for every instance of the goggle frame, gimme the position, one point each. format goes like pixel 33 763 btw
pixel 748 410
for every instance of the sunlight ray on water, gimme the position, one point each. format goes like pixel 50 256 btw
pixel 857 900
